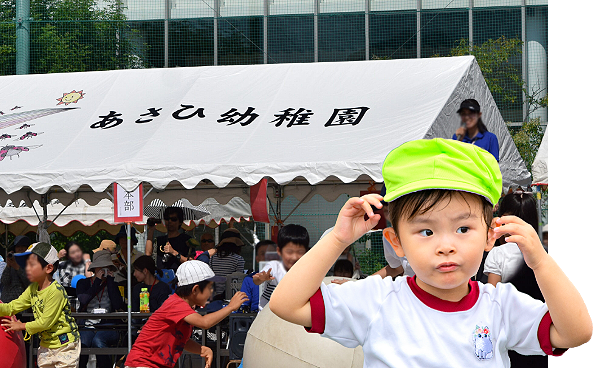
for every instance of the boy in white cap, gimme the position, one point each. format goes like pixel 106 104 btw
pixel 58 331
pixel 441 195
pixel 168 331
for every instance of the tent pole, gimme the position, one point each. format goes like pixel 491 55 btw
pixel 279 201
pixel 60 213
pixel 129 224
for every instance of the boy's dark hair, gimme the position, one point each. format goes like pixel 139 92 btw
pixel 343 266
pixel 147 263
pixel 44 264
pixel 186 290
pixel 263 243
pixel 293 233
pixel 418 203
pixel 520 204
pixel 176 211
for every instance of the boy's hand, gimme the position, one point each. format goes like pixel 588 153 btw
pixel 10 325
pixel 351 223
pixel 239 298
pixel 263 276
pixel 525 236
pixel 208 355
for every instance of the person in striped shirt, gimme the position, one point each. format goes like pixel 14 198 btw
pixel 227 259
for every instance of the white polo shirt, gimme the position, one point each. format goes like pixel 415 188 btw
pixel 278 271
pixel 504 260
pixel 400 325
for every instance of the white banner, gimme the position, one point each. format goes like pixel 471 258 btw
pixel 218 123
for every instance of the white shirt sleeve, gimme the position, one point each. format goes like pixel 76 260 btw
pixel 522 317
pixel 393 260
pixel 494 262
pixel 351 307
pixel 269 265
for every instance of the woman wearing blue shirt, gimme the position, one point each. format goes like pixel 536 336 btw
pixel 473 130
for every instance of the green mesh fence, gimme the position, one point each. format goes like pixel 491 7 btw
pixel 509 37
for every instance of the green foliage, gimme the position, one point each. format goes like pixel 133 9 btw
pixel 528 139
pixel 370 259
pixel 87 242
pixel 69 36
pixel 498 61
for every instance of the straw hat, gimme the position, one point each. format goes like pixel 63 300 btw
pixel 106 245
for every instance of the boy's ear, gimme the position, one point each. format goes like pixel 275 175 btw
pixel 49 268
pixel 391 237
pixel 491 238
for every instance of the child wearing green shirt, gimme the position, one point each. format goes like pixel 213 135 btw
pixel 58 331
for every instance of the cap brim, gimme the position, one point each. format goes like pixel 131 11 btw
pixel 21 258
pixel 217 279
pixel 438 184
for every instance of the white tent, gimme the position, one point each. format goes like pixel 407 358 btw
pixel 565 155
pixel 80 216
pixel 564 162
pixel 210 132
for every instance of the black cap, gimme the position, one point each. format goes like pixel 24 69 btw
pixel 20 240
pixel 124 234
pixel 470 104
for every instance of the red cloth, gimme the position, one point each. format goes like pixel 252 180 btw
pixel 258 201
pixel 163 338
pixel 12 347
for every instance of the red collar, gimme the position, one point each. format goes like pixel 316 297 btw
pixel 466 303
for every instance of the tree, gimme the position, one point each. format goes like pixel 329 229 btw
pixel 68 36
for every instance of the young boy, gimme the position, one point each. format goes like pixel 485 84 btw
pixel 441 194
pixel 59 337
pixel 168 331
pixel 343 268
pixel 292 244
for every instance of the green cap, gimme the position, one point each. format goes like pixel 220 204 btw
pixel 441 164
pixel 44 250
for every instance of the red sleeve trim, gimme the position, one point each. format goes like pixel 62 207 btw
pixel 543 336
pixel 317 312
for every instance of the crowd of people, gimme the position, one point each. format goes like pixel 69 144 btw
pixel 493 277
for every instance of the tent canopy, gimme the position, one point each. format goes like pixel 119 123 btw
pixel 80 216
pixel 205 132
pixel 565 155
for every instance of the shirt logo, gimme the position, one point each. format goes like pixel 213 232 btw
pixel 483 347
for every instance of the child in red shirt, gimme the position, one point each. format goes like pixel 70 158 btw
pixel 167 332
